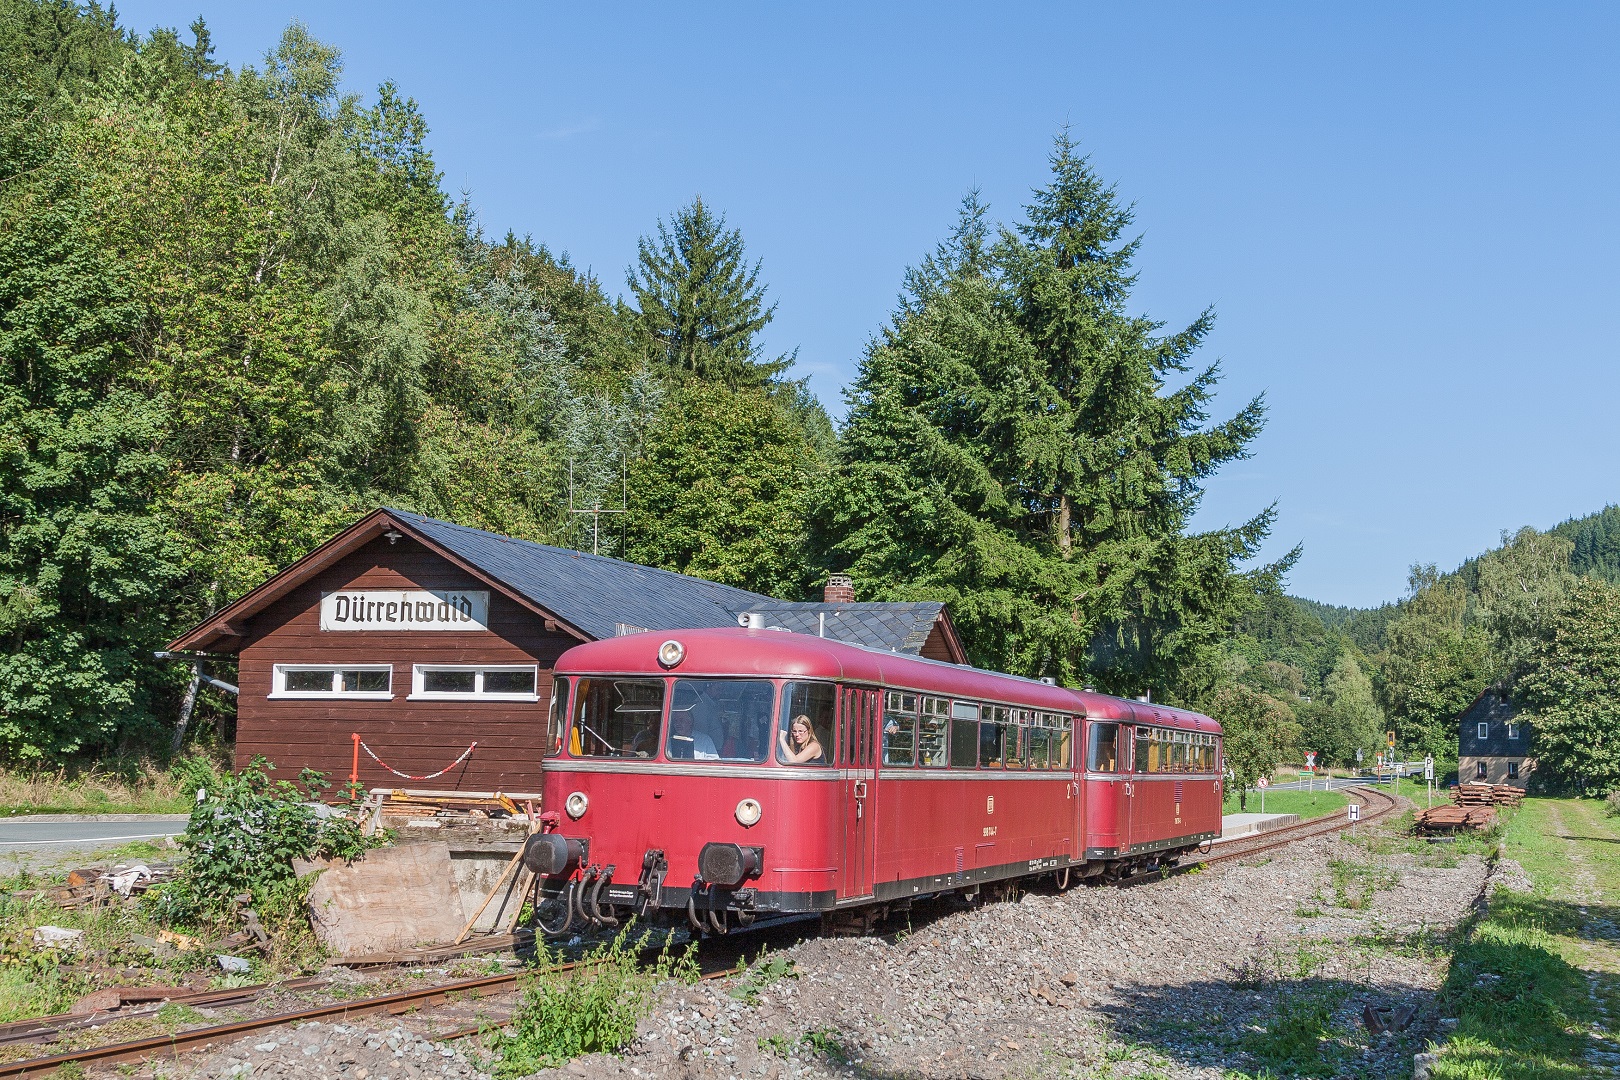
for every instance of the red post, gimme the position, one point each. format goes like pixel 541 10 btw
pixel 354 770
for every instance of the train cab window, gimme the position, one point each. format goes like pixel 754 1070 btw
pixel 720 720
pixel 932 728
pixel 815 704
pixel 899 729
pixel 964 734
pixel 559 716
pixel 1102 752
pixel 617 718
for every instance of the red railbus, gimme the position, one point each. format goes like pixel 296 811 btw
pixel 720 776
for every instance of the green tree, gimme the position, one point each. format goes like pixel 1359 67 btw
pixel 718 491
pixel 1259 732
pixel 1437 662
pixel 701 302
pixel 1349 718
pixel 1571 688
pixel 1521 584
pixel 1014 448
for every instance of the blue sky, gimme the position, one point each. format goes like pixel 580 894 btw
pixel 1405 216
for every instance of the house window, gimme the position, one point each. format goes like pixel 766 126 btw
pixel 1513 770
pixel 366 681
pixel 1513 731
pixel 494 682
pixel 1479 771
pixel 1484 730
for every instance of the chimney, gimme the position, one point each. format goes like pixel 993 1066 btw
pixel 840 590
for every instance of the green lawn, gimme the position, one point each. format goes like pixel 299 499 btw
pixel 1532 978
pixel 1307 804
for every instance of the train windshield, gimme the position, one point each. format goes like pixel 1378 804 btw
pixel 804 734
pixel 1102 751
pixel 720 720
pixel 617 718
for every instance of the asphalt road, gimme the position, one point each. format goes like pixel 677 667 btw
pixel 44 836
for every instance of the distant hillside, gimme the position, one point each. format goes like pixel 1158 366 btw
pixel 1364 626
pixel 1597 543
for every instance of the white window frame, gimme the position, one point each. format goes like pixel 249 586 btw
pixel 1513 731
pixel 279 691
pixel 419 694
pixel 1484 729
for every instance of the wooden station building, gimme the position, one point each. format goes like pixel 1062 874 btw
pixel 424 638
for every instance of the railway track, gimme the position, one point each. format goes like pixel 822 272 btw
pixel 174 1044
pixel 1382 805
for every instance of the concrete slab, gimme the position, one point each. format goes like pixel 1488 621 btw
pixel 1236 825
pixel 391 899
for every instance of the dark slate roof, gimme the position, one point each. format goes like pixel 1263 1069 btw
pixel 897 627
pixel 593 592
pixel 605 597
pixel 1496 710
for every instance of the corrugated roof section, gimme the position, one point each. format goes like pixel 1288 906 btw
pixel 897 627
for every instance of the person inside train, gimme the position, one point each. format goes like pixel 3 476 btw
pixel 799 745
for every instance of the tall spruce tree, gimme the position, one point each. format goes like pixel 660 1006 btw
pixel 1015 448
pixel 701 302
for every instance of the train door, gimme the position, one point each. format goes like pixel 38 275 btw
pixel 1076 749
pixel 1127 786
pixel 857 760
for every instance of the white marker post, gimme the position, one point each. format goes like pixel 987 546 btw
pixel 1355 816
pixel 1428 775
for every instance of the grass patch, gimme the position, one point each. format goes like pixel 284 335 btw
pixel 118 786
pixel 590 1009
pixel 1298 1040
pixel 1354 883
pixel 1516 983
pixel 1307 804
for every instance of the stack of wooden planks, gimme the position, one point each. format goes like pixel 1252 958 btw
pixel 1486 795
pixel 1450 819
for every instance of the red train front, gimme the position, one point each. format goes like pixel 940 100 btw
pixel 721 776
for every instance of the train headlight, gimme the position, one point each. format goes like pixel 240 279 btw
pixel 748 813
pixel 578 802
pixel 671 653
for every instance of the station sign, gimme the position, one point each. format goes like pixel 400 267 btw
pixel 1355 811
pixel 437 609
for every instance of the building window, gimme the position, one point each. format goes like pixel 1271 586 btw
pixel 365 681
pixel 1513 731
pixel 1513 770
pixel 494 682
pixel 1479 771
pixel 1484 730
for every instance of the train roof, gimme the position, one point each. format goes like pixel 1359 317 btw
pixel 775 653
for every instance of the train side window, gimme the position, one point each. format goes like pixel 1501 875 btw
pixel 990 749
pixel 1144 746
pixel 1039 747
pixel 817 703
pixel 1014 738
pixel 1061 738
pixel 558 720
pixel 720 719
pixel 964 735
pixel 899 729
pixel 1102 752
pixel 617 718
pixel 933 728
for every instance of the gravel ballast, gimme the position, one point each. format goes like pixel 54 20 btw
pixel 1189 977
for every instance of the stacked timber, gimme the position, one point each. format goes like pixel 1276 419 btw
pixel 1486 795
pixel 1451 819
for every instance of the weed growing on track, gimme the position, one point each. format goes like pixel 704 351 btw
pixel 1299 1039
pixel 1355 883
pixel 766 968
pixel 592 1008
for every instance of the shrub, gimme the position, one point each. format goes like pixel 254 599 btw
pixel 1611 805
pixel 591 1008
pixel 242 838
